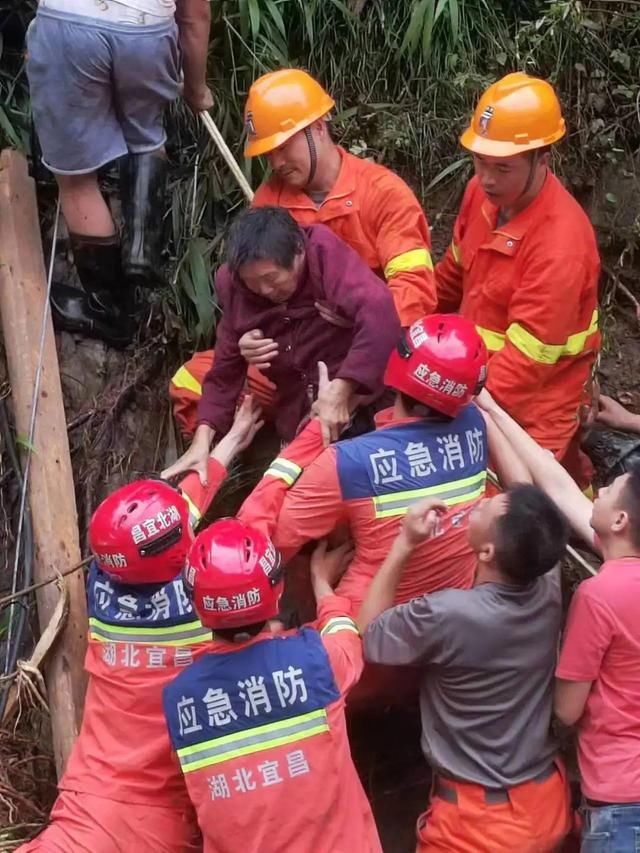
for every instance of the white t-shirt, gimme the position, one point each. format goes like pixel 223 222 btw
pixel 157 8
pixel 118 11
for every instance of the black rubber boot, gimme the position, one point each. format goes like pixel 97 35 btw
pixel 103 309
pixel 143 184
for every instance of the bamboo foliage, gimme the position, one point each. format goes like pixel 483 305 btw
pixel 405 75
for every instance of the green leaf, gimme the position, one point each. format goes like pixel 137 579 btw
pixel 346 114
pixel 454 20
pixel 611 198
pixel 243 11
pixel 195 280
pixel 427 32
pixel 7 127
pixel 447 172
pixel 277 50
pixel 308 9
pixel 276 18
pixel 416 23
pixel 621 58
pixel 23 442
pixel 254 16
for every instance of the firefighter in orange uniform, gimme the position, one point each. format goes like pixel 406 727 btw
pixel 258 723
pixel 523 266
pixel 431 443
pixel 363 203
pixel 122 789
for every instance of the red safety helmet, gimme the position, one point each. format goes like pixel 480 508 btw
pixel 440 361
pixel 141 533
pixel 233 574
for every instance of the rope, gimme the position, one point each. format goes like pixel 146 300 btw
pixel 32 429
pixel 17 595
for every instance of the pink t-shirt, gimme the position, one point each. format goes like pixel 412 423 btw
pixel 602 645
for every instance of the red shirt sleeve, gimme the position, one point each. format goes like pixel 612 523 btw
pixel 223 383
pixel 341 639
pixel 587 636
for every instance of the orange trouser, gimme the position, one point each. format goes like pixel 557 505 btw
pixel 185 390
pixel 534 818
pixel 84 823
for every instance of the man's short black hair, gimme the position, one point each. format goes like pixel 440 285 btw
pixel 419 410
pixel 630 503
pixel 264 233
pixel 230 634
pixel 531 536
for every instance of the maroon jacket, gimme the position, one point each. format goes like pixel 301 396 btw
pixel 334 274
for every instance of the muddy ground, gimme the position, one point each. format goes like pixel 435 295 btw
pixel 120 428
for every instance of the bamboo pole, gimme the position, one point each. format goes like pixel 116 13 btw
pixel 51 492
pixel 230 160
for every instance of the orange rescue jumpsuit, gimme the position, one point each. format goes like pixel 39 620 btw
pixel 373 211
pixel 122 788
pixel 368 483
pixel 259 729
pixel 531 288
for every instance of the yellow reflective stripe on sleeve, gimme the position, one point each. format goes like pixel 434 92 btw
pixel 194 513
pixel 537 350
pixel 455 251
pixel 493 341
pixel 174 635
pixel 183 379
pixel 253 740
pixel 339 623
pixel 459 491
pixel 408 261
pixel 284 469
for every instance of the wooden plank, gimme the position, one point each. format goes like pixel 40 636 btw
pixel 51 494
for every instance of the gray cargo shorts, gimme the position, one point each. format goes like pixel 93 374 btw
pixel 99 89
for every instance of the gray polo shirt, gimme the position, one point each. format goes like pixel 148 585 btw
pixel 486 696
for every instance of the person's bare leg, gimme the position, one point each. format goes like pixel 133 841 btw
pixel 84 209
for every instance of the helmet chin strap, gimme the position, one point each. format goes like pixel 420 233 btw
pixel 535 159
pixel 313 154
pixel 533 165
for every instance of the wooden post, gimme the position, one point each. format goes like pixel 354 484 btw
pixel 51 492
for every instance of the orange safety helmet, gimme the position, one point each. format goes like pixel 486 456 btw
pixel 279 105
pixel 518 113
